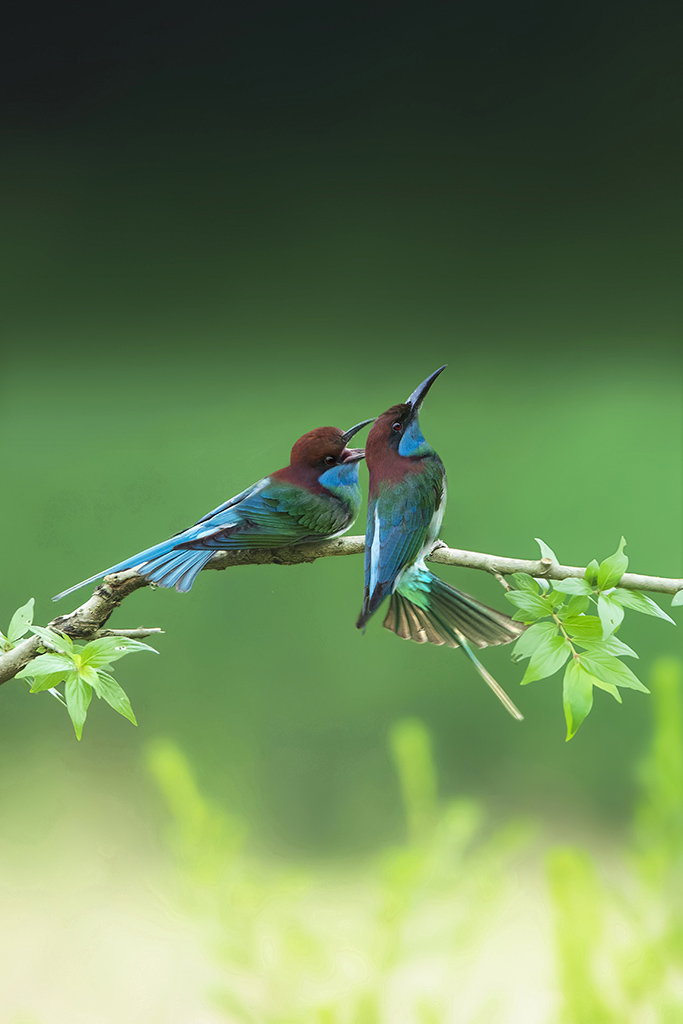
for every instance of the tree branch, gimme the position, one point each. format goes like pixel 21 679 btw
pixel 545 568
pixel 87 621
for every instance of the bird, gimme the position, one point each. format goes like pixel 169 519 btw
pixel 406 504
pixel 316 497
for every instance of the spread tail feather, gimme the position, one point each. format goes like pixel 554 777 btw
pixel 447 616
pixel 425 605
pixel 163 564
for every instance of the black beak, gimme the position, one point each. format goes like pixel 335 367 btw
pixel 354 430
pixel 418 395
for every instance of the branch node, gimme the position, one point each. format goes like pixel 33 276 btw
pixel 495 571
pixel 501 579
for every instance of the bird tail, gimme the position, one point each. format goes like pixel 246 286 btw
pixel 164 564
pixel 425 609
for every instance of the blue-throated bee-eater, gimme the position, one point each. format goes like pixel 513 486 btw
pixel 405 509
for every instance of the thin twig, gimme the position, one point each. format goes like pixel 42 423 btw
pixel 133 634
pixel 88 620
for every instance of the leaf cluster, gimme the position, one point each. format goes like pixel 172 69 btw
pixel 82 668
pixel 573 623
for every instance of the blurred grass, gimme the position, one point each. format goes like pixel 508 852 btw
pixel 402 938
pixel 466 918
pixel 322 944
pixel 619 927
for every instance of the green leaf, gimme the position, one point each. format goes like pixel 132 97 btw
pixel 531 606
pixel 608 687
pixel 576 605
pixel 523 581
pixel 51 680
pixel 612 645
pixel 58 641
pixel 110 690
pixel 546 552
pixel 549 656
pixel 45 664
pixel 611 614
pixel 21 620
pixel 611 670
pixel 591 573
pixel 583 627
pixel 577 696
pixel 78 696
pixel 555 598
pixel 531 638
pixel 573 586
pixel 613 568
pixel 640 602
pixel 89 675
pixel 99 653
pixel 677 599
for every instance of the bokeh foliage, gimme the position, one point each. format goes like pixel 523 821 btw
pixel 619 925
pixel 399 939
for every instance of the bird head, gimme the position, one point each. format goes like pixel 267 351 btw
pixel 326 447
pixel 399 426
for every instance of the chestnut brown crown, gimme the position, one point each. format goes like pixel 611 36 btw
pixel 324 445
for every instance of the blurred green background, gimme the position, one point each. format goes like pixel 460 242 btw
pixel 223 228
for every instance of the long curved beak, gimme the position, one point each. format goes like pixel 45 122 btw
pixel 346 437
pixel 418 395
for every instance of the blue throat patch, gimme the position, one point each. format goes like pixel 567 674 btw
pixel 412 442
pixel 342 479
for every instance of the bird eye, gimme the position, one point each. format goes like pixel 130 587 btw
pixel 397 426
pixel 330 460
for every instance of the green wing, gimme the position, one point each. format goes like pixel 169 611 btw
pixel 274 516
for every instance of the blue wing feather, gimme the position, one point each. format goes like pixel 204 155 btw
pixel 271 513
pixel 235 500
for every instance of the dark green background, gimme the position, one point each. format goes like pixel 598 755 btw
pixel 226 227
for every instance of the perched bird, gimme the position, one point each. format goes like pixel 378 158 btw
pixel 405 509
pixel 315 497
